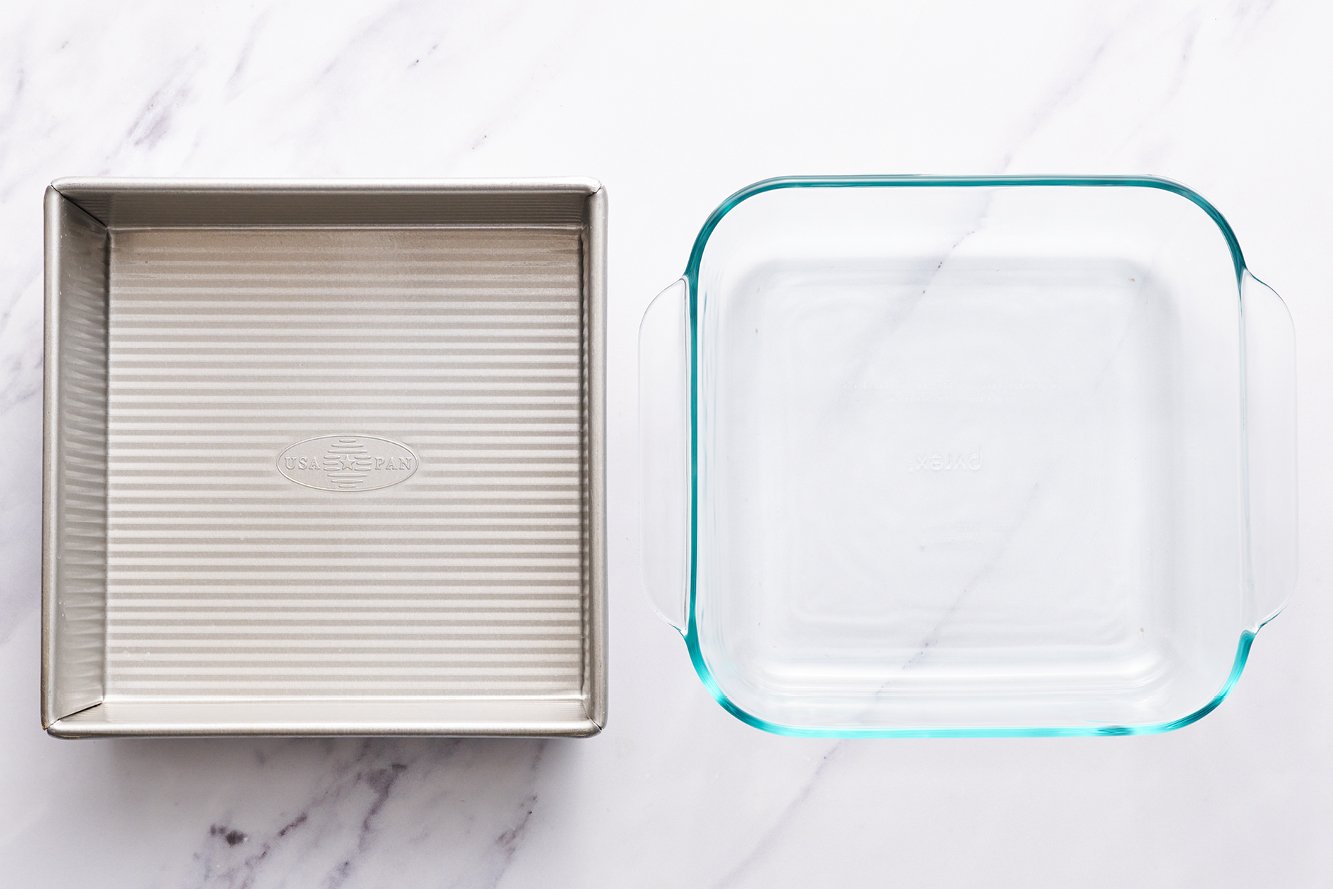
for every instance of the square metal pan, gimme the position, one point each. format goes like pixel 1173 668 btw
pixel 324 458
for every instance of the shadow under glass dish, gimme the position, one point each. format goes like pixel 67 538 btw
pixel 968 456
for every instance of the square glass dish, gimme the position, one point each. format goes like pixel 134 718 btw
pixel 324 458
pixel 932 456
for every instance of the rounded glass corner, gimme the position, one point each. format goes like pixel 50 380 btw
pixel 922 180
pixel 797 731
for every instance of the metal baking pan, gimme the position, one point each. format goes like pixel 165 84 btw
pixel 324 458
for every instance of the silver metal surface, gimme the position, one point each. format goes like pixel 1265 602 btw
pixel 324 458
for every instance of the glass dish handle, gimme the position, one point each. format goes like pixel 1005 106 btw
pixel 1269 380
pixel 664 437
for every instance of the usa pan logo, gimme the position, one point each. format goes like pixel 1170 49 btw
pixel 348 463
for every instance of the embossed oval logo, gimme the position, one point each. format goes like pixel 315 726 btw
pixel 348 463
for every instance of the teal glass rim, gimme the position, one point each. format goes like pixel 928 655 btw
pixel 691 276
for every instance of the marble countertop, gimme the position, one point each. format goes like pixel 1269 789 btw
pixel 673 106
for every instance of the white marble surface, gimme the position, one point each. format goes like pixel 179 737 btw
pixel 673 105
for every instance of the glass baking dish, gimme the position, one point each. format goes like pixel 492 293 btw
pixel 931 456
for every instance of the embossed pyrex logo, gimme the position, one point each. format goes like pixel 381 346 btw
pixel 348 462
pixel 947 461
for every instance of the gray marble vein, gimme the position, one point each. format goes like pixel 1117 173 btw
pixel 775 829
pixel 151 124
